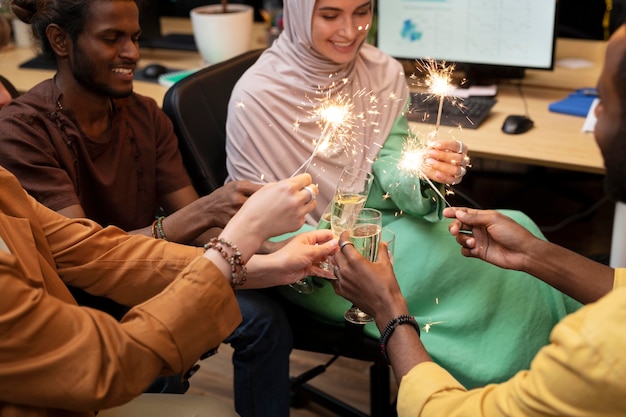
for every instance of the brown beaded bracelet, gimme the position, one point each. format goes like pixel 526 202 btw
pixel 389 329
pixel 153 229
pixel 159 228
pixel 238 270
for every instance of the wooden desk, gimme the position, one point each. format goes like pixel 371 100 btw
pixel 555 141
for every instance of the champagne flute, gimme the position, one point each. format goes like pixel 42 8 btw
pixel 324 223
pixel 389 237
pixel 304 286
pixel 365 235
pixel 350 196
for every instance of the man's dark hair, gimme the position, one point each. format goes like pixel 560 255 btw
pixel 70 15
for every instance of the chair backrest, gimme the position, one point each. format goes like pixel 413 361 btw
pixel 9 87
pixel 197 106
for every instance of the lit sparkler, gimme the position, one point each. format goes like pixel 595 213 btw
pixel 412 161
pixel 438 80
pixel 336 119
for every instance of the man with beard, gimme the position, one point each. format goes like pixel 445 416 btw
pixel 85 145
pixel 581 372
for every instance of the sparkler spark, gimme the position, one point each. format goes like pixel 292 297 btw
pixel 335 116
pixel 430 324
pixel 332 116
pixel 439 83
pixel 334 112
pixel 412 162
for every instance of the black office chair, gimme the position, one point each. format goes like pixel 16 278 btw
pixel 9 87
pixel 198 106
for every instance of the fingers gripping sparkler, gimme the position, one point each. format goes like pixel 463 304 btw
pixel 412 162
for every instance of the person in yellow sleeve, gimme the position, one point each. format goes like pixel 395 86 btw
pixel 583 369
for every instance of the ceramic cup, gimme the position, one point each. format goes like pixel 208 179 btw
pixel 22 33
pixel 220 36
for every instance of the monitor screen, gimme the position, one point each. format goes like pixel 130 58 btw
pixel 151 35
pixel 491 33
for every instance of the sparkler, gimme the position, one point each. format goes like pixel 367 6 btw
pixel 438 80
pixel 412 162
pixel 336 119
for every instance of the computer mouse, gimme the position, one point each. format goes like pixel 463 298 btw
pixel 153 71
pixel 516 123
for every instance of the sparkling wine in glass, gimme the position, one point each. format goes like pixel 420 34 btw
pixel 389 237
pixel 365 235
pixel 305 286
pixel 324 223
pixel 350 196
pixel 346 209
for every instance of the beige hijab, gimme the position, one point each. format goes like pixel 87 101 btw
pixel 273 124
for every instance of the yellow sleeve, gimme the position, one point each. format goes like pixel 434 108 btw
pixel 582 369
pixel 620 278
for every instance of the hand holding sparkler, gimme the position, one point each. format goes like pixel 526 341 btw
pixel 442 161
pixel 493 237
pixel 430 159
pixel 446 161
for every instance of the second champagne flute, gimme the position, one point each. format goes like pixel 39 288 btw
pixel 365 235
pixel 350 196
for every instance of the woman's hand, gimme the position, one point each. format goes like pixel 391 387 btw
pixel 297 259
pixel 273 210
pixel 446 161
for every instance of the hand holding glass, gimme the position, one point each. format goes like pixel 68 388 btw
pixel 365 235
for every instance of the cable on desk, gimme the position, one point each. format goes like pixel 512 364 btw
pixel 521 93
pixel 574 217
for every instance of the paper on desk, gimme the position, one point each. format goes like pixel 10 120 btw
pixel 590 120
pixel 574 63
pixel 475 90
pixel 171 78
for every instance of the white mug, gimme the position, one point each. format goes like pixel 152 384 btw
pixel 220 36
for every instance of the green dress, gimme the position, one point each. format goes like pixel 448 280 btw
pixel 482 323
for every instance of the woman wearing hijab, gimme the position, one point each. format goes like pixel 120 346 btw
pixel 474 322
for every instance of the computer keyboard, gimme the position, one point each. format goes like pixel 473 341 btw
pixel 176 41
pixel 40 62
pixel 467 113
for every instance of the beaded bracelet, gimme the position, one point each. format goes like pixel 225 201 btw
pixel 153 229
pixel 159 228
pixel 238 270
pixel 391 326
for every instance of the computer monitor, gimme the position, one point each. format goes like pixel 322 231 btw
pixel 151 35
pixel 487 39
